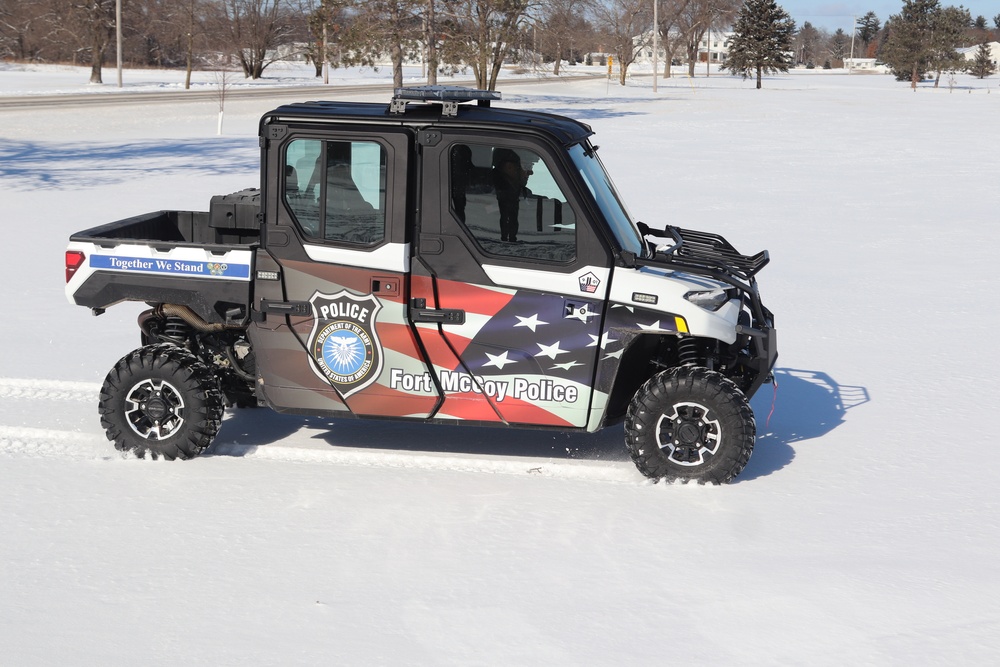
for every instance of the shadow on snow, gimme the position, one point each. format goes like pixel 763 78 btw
pixel 806 405
pixel 36 165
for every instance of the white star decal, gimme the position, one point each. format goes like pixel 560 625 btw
pixel 550 351
pixel 605 338
pixel 655 326
pixel 566 366
pixel 498 360
pixel 531 322
pixel 617 354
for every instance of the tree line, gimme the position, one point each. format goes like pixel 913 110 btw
pixel 449 35
pixel 922 39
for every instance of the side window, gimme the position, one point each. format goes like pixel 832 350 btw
pixel 336 189
pixel 509 202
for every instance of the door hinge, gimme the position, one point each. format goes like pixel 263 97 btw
pixel 429 137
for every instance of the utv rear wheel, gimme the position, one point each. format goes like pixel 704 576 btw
pixel 690 424
pixel 161 400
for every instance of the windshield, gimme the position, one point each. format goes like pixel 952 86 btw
pixel 607 199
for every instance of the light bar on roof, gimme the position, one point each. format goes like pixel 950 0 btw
pixel 445 94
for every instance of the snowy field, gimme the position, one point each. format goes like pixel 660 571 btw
pixel 865 529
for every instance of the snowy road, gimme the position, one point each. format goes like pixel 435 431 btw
pixel 109 96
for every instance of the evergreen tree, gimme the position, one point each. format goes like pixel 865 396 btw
pixel 909 49
pixel 837 47
pixel 868 27
pixel 761 41
pixel 950 25
pixel 982 66
pixel 807 43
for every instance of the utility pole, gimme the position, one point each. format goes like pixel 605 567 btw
pixel 118 30
pixel 854 31
pixel 708 51
pixel 326 57
pixel 656 40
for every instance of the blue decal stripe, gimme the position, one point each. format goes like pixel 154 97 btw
pixel 179 267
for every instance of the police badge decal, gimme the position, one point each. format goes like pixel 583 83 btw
pixel 343 342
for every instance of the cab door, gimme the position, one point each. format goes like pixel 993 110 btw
pixel 334 332
pixel 508 283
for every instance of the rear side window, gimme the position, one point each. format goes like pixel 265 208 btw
pixel 509 202
pixel 335 190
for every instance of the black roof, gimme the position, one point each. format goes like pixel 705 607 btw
pixel 563 130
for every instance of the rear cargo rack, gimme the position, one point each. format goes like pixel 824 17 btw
pixel 701 250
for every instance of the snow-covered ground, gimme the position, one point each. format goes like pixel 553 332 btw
pixel 865 529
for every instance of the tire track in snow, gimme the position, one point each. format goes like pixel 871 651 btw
pixel 18 442
pixel 55 390
pixel 27 442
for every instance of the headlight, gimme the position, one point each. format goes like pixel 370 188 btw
pixel 708 299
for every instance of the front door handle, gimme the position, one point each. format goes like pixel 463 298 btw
pixel 577 310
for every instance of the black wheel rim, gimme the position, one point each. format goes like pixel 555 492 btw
pixel 154 409
pixel 690 435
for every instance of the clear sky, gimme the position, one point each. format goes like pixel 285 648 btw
pixel 833 15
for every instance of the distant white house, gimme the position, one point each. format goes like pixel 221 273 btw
pixel 865 65
pixel 714 47
pixel 969 53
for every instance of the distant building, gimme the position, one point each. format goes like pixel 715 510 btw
pixel 713 47
pixel 865 65
pixel 969 53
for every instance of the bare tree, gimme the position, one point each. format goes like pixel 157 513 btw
pixel 24 27
pixel 627 24
pixel 480 33
pixel 223 78
pixel 383 27
pixel 194 22
pixel 430 21
pixel 670 37
pixel 562 22
pixel 97 20
pixel 255 28
pixel 698 18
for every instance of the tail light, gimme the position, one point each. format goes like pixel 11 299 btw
pixel 74 260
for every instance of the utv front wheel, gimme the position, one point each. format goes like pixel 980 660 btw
pixel 690 424
pixel 161 400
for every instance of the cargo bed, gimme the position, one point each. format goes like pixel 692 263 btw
pixel 202 260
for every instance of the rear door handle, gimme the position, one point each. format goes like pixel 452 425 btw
pixel 420 313
pixel 302 308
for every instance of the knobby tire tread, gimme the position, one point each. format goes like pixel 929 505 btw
pixel 657 395
pixel 202 417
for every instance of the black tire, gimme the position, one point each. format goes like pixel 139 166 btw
pixel 690 424
pixel 163 401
